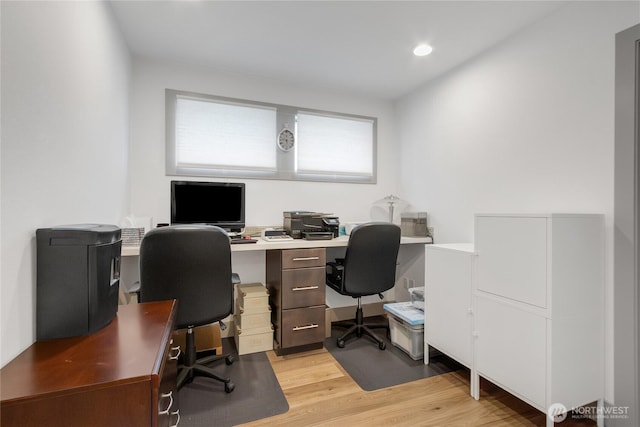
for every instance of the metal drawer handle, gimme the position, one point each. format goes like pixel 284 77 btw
pixel 305 288
pixel 302 328
pixel 177 413
pixel 307 258
pixel 177 348
pixel 164 396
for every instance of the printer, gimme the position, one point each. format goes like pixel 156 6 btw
pixel 311 225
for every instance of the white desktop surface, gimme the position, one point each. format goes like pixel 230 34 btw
pixel 248 261
pixel 263 245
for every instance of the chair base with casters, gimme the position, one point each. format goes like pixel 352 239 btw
pixel 359 328
pixel 193 367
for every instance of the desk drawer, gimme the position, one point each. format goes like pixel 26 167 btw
pixel 303 287
pixel 167 403
pixel 302 326
pixel 302 258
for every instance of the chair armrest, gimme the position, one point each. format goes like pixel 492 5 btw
pixel 334 275
pixel 335 265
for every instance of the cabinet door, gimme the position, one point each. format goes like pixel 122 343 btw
pixel 512 257
pixel 447 302
pixel 511 348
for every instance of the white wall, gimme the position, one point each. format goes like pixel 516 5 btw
pixel 65 82
pixel 266 199
pixel 526 127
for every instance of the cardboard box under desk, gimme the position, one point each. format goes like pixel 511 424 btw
pixel 254 319
pixel 253 298
pixel 253 340
pixel 207 338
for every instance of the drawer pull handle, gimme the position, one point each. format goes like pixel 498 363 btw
pixel 177 348
pixel 302 328
pixel 164 396
pixel 177 414
pixel 305 288
pixel 307 258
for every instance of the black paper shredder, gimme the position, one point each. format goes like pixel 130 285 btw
pixel 78 279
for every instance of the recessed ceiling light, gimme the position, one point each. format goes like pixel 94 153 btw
pixel 422 50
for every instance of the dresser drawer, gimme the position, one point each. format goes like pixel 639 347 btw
pixel 302 326
pixel 167 404
pixel 302 258
pixel 303 287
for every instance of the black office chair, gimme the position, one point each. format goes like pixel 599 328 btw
pixel 192 264
pixel 368 268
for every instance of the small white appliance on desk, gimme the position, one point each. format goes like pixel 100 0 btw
pixel 275 235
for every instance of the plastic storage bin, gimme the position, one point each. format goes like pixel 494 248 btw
pixel 406 324
pixel 409 338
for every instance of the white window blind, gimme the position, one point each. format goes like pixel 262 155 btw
pixel 335 145
pixel 220 135
pixel 214 136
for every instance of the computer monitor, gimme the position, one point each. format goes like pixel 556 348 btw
pixel 212 203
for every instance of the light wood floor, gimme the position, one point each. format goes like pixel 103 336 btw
pixel 321 393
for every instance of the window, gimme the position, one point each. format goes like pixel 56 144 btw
pixel 223 137
pixel 328 145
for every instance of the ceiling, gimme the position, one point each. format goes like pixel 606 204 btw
pixel 361 47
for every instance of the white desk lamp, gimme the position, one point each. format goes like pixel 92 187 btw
pixel 392 200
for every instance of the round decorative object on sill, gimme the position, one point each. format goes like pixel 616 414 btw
pixel 286 139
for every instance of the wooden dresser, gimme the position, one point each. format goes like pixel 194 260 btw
pixel 124 374
pixel 296 282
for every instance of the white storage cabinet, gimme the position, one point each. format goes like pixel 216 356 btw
pixel 448 299
pixel 538 307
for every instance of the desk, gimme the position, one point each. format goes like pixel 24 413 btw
pixel 263 245
pixel 120 375
pixel 249 261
